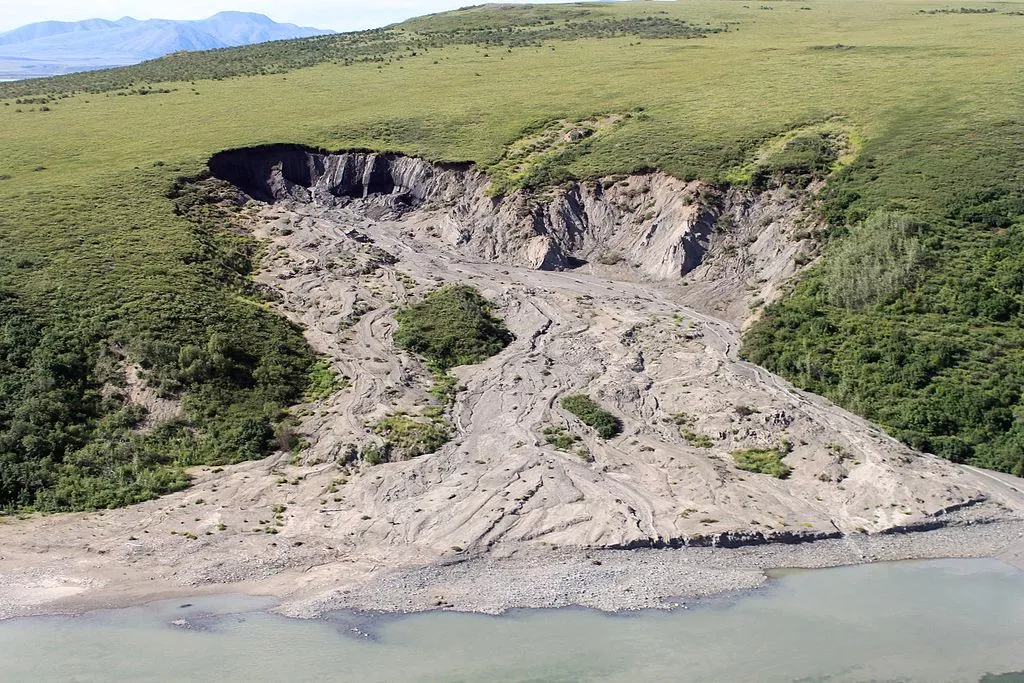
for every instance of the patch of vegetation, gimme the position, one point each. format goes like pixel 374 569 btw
pixel 694 439
pixel 444 388
pixel 409 436
pixel 959 10
pixel 798 157
pixel 763 461
pixel 685 423
pixel 592 415
pixel 323 382
pixel 836 46
pixel 372 454
pixel 451 326
pixel 539 158
pixel 560 438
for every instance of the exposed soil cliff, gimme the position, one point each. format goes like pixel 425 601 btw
pixel 736 246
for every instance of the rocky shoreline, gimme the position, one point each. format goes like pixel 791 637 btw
pixel 537 577
pixel 618 580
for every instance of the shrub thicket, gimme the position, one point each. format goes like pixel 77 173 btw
pixel 916 319
pixel 69 440
pixel 763 461
pixel 592 415
pixel 451 326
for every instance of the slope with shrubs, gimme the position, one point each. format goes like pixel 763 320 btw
pixel 915 317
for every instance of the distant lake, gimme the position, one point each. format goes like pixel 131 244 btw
pixel 947 620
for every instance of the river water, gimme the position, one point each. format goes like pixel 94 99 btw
pixel 947 620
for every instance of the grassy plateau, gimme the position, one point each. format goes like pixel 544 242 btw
pixel 914 317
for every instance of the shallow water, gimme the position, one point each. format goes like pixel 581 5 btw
pixel 948 620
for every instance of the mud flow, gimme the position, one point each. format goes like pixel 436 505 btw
pixel 630 289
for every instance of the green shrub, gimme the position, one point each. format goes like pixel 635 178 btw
pixel 372 454
pixel 560 438
pixel 695 439
pixel 564 441
pixel 323 382
pixel 409 436
pixel 444 388
pixel 591 414
pixel 451 326
pixel 763 461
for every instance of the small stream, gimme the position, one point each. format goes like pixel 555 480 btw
pixel 945 620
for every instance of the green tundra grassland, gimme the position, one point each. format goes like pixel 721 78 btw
pixel 912 318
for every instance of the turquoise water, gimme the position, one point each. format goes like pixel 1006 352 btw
pixel 949 620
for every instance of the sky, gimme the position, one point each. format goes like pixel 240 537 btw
pixel 340 15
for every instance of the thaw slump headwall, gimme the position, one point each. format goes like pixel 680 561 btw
pixel 279 172
pixel 651 222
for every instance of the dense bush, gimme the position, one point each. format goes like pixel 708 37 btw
pixel 763 461
pixel 592 415
pixel 451 326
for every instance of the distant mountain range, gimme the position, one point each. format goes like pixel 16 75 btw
pixel 55 47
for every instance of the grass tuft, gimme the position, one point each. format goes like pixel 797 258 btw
pixel 763 461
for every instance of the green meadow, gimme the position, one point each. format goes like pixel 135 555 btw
pixel 107 264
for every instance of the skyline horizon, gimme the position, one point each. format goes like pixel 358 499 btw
pixel 344 16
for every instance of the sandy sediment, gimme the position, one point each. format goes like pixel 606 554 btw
pixel 609 580
pixel 613 580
